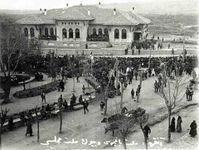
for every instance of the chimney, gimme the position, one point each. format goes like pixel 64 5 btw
pixel 133 9
pixel 99 4
pixel 89 12
pixel 114 11
pixel 40 10
pixel 45 11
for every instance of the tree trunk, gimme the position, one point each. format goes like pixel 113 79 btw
pixel 124 142
pixel 145 138
pixel 38 137
pixel 169 131
pixel 60 127
pixel 105 100
pixel 0 136
pixel 6 87
pixel 121 104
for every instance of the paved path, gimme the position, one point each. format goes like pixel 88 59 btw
pixel 78 126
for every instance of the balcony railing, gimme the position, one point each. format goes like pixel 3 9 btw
pixel 93 37
pixel 47 37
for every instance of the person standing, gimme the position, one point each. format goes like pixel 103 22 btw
pixel 29 128
pixel 179 124
pixel 190 93
pixel 80 99
pixel 85 105
pixel 83 89
pixel 60 101
pixel 43 97
pixel 172 126
pixel 132 93
pixel 61 85
pixel 147 131
pixel 102 104
pixel 193 131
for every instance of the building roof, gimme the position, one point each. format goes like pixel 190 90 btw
pixel 97 15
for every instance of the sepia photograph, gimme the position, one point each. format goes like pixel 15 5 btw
pixel 99 74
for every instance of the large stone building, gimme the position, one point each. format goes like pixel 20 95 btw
pixel 82 27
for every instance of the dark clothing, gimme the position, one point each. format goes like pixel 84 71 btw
pixel 80 99
pixel 102 104
pixel 179 126
pixel 147 131
pixel 73 98
pixel 29 128
pixel 85 105
pixel 172 126
pixel 10 124
pixel 193 131
pixel 65 104
pixel 61 85
pixel 132 93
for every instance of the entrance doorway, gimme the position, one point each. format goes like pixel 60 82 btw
pixel 137 36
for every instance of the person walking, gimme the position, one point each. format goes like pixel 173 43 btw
pixel 179 124
pixel 193 131
pixel 172 126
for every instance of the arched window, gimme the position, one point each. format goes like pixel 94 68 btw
pixel 106 31
pixel 32 32
pixel 99 31
pixel 46 31
pixel 77 34
pixel 64 33
pixel 26 32
pixel 70 33
pixel 51 31
pixel 116 34
pixel 94 31
pixel 123 33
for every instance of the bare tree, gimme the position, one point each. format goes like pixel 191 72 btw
pixel 141 120
pixel 60 104
pixel 12 47
pixel 172 91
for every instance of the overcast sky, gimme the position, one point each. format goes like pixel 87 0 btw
pixel 37 4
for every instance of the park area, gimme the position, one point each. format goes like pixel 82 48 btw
pixel 109 80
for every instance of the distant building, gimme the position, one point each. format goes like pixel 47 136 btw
pixel 84 27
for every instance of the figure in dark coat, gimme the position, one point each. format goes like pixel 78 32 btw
pixel 172 126
pixel 102 104
pixel 179 126
pixel 85 105
pixel 61 85
pixel 147 131
pixel 29 128
pixel 132 93
pixel 193 131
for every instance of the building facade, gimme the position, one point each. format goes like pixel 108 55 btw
pixel 84 27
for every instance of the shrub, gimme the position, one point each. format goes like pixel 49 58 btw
pixel 37 90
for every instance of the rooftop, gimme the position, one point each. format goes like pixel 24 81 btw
pixel 94 14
